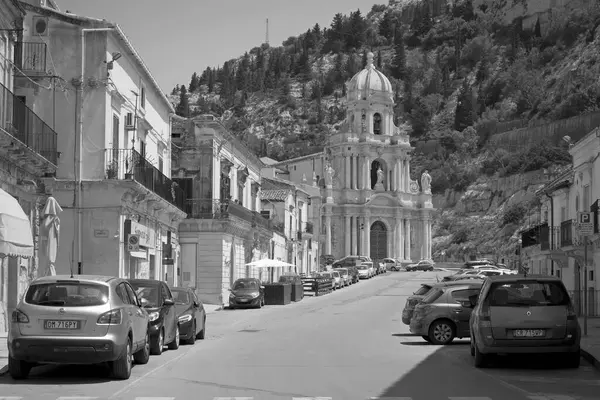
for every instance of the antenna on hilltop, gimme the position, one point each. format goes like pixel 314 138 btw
pixel 267 33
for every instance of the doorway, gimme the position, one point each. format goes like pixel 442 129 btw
pixel 378 237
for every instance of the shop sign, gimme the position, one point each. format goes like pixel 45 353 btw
pixel 146 235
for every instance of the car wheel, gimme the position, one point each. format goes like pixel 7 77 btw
pixel 572 360
pixel 426 339
pixel 202 333
pixel 156 346
pixel 480 359
pixel 441 332
pixel 121 368
pixel 472 348
pixel 192 338
pixel 18 369
pixel 174 345
pixel 143 355
pixel 259 303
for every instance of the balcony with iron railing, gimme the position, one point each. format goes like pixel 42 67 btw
pixel 568 234
pixel 531 237
pixel 30 57
pixel 128 164
pixel 549 237
pixel 32 134
pixel 208 208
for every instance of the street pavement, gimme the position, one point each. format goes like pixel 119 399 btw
pixel 348 345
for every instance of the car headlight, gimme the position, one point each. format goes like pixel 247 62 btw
pixel 185 318
pixel 153 316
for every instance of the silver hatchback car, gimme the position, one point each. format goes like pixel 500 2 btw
pixel 78 320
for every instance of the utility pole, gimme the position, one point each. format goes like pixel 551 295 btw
pixel 585 228
pixel 267 33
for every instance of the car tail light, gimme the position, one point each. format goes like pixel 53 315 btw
pixel 19 317
pixel 571 314
pixel 112 317
pixel 484 316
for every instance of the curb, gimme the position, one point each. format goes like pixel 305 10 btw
pixel 590 358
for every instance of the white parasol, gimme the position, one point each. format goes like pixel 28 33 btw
pixel 267 263
pixel 52 226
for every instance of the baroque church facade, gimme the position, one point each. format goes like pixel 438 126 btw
pixel 371 206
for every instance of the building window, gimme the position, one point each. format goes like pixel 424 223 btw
pixel 377 124
pixel 160 163
pixel 558 273
pixel 142 148
pixel 143 98
pixel 591 275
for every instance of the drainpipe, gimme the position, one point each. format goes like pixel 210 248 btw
pixel 79 140
pixel 551 230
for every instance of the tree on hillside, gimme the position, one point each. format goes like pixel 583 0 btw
pixel 194 83
pixel 351 66
pixel 355 36
pixel 175 90
pixel 183 107
pixel 464 115
pixel 399 61
pixel 364 59
pixel 379 60
pixel 386 26
pixel 335 35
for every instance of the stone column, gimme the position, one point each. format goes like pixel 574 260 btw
pixel 367 167
pixel 398 175
pixel 407 250
pixel 427 238
pixel 347 236
pixel 406 176
pixel 347 168
pixel 393 185
pixel 399 238
pixel 216 178
pixel 355 175
pixel 354 234
pixel 367 231
pixel 328 235
pixel 233 185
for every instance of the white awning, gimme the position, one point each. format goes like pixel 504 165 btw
pixel 139 254
pixel 15 229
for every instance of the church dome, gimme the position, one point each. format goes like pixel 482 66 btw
pixel 369 82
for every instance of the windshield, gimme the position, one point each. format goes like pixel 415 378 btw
pixel 148 292
pixel 528 293
pixel 249 285
pixel 326 275
pixel 432 296
pixel 67 294
pixel 363 267
pixel 423 290
pixel 181 296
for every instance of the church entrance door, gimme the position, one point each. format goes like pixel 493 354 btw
pixel 378 241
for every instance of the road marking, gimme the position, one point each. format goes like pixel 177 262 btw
pixel 10 398
pixel 390 398
pixel 469 398
pixel 154 398
pixel 75 398
pixel 312 398
pixel 551 397
pixel 233 398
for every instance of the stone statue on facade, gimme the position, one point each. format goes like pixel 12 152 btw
pixel 426 182
pixel 329 173
pixel 379 184
pixel 315 180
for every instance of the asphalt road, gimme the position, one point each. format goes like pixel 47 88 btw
pixel 349 345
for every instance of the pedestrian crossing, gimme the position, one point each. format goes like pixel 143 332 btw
pixel 532 397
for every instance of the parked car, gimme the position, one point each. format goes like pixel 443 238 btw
pixel 60 315
pixel 391 264
pixel 190 314
pixel 328 276
pixel 363 271
pixel 346 277
pixel 417 296
pixel 423 265
pixel 443 314
pixel 524 314
pixel 462 277
pixel 478 263
pixel 370 267
pixel 380 267
pixel 348 261
pixel 353 271
pixel 337 278
pixel 246 293
pixel 157 299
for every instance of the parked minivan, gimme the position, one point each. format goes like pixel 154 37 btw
pixel 524 314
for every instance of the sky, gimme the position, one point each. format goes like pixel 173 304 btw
pixel 179 37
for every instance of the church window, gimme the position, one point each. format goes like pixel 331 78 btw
pixel 377 124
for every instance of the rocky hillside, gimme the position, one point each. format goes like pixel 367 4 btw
pixel 459 72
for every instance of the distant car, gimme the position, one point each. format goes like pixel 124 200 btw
pixel 423 265
pixel 157 299
pixel 78 320
pixel 345 274
pixel 337 278
pixel 363 271
pixel 190 314
pixel 372 270
pixel 246 293
pixel 515 314
pixel 461 277
pixel 353 271
pixel 391 264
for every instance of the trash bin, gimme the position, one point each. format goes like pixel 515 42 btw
pixel 297 291
pixel 278 294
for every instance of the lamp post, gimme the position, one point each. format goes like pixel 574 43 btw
pixel 520 250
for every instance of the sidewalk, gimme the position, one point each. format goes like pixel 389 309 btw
pixel 209 308
pixel 590 344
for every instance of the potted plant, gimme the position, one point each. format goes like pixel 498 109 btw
pixel 112 170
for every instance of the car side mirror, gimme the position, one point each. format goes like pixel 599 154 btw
pixel 143 301
pixel 169 302
pixel 473 300
pixel 466 304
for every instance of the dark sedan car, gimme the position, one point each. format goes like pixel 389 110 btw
pixel 190 313
pixel 246 293
pixel 157 299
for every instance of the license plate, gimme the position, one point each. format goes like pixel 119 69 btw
pixel 529 332
pixel 51 324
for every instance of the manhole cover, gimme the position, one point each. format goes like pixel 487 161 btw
pixel 250 330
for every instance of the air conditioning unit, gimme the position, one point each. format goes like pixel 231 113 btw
pixel 40 26
pixel 266 214
pixel 129 122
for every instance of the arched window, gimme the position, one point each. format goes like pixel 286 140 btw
pixel 377 124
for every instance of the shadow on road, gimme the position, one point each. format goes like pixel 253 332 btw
pixel 404 335
pixel 424 343
pixel 62 375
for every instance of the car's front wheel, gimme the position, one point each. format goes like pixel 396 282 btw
pixel 156 346
pixel 441 332
pixel 174 345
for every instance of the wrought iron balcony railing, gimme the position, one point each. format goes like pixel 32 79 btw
pixel 129 164
pixel 222 209
pixel 21 122
pixel 531 236
pixel 568 235
pixel 549 237
pixel 30 56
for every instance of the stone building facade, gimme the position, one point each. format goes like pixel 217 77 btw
pixel 371 205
